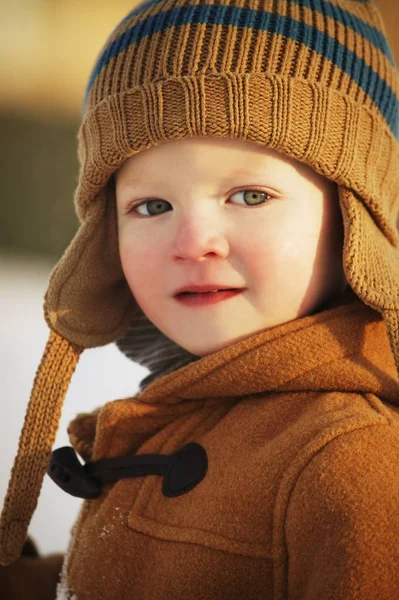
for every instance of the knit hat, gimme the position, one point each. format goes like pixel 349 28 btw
pixel 313 79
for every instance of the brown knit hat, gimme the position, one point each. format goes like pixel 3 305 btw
pixel 313 79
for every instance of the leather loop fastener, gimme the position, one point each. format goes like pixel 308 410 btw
pixel 182 470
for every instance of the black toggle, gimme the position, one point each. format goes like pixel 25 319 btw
pixel 182 470
pixel 71 476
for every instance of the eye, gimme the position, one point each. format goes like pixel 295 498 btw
pixel 251 198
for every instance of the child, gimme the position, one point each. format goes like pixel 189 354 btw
pixel 260 458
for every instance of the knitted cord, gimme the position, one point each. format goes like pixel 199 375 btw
pixel 35 444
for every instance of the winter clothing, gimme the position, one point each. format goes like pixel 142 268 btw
pixel 279 454
pixel 298 497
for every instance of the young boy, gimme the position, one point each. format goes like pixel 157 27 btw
pixel 278 239
pixel 260 458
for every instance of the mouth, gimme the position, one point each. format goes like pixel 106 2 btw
pixel 198 299
pixel 210 291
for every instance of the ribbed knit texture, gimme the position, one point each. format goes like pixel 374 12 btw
pixel 37 438
pixel 312 79
pixel 337 44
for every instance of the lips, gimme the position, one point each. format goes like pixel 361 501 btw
pixel 209 292
pixel 204 288
pixel 203 299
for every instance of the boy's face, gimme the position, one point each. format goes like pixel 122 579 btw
pixel 282 242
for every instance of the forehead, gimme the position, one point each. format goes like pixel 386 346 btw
pixel 213 159
pixel 199 151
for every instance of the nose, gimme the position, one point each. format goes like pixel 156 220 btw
pixel 198 236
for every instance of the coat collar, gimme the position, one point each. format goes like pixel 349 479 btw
pixel 345 348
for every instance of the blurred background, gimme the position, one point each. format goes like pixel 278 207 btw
pixel 47 50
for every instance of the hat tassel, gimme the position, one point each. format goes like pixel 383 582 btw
pixel 31 463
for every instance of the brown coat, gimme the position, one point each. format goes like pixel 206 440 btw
pixel 300 499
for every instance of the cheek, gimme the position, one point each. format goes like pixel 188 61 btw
pixel 282 248
pixel 137 265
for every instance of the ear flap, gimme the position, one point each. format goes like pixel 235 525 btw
pixel 88 300
pixel 371 263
